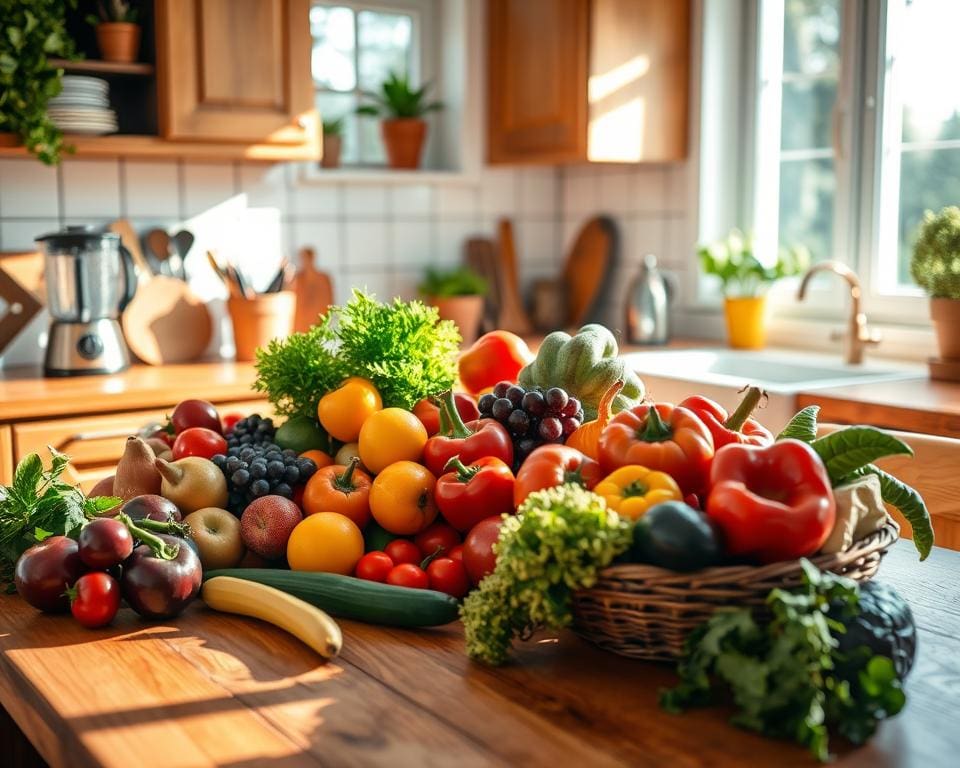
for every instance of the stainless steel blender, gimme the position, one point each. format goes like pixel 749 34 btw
pixel 90 280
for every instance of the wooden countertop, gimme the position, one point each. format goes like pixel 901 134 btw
pixel 26 394
pixel 209 689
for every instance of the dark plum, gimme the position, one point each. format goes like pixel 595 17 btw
pixel 104 543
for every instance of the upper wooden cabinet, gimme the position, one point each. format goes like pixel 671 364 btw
pixel 235 70
pixel 587 80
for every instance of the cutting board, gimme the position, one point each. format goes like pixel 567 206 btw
pixel 132 243
pixel 590 271
pixel 314 291
pixel 166 322
pixel 512 316
pixel 480 255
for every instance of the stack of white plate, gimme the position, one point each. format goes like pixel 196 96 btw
pixel 83 106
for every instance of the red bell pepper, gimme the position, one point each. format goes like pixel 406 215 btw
pixel 736 427
pixel 429 413
pixel 663 437
pixel 552 465
pixel 468 494
pixel 470 442
pixel 771 502
pixel 494 357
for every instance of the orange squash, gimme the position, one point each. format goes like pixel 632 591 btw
pixel 586 438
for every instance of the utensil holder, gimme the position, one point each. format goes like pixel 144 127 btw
pixel 259 320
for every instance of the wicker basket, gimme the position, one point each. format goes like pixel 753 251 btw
pixel 646 612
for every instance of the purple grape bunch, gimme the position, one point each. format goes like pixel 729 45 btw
pixel 533 417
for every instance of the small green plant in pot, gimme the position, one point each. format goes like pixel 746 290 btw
pixel 935 267
pixel 332 143
pixel 745 281
pixel 458 295
pixel 403 128
pixel 118 34
pixel 32 33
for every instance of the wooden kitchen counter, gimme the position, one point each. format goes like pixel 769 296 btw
pixel 209 689
pixel 26 394
pixel 918 405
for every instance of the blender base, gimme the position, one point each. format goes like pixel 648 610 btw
pixel 81 349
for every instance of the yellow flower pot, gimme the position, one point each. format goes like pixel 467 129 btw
pixel 746 321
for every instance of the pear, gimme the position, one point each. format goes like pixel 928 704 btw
pixel 136 473
pixel 192 483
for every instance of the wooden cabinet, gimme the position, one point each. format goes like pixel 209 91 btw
pixel 235 70
pixel 587 80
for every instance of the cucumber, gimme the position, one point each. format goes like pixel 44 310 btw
pixel 351 598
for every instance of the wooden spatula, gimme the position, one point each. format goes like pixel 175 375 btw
pixel 314 292
pixel 132 243
pixel 590 270
pixel 480 254
pixel 513 317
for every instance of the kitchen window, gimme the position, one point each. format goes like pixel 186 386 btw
pixel 355 47
pixel 857 126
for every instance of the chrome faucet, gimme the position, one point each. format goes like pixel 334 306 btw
pixel 858 336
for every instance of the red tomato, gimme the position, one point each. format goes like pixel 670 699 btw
pixel 408 575
pixel 403 551
pixel 162 434
pixel 456 553
pixel 230 421
pixel 429 414
pixel 374 566
pixel 478 556
pixel 95 599
pixel 449 576
pixel 198 441
pixel 195 413
pixel 438 536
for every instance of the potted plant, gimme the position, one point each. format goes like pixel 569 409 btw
pixel 458 296
pixel 935 267
pixel 403 127
pixel 745 281
pixel 118 34
pixel 32 32
pixel 332 143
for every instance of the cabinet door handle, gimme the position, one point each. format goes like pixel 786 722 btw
pixel 103 435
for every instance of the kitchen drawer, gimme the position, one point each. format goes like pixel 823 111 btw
pixel 95 443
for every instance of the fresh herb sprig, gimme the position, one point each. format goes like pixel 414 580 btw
pixel 787 677
pixel 38 504
pixel 403 348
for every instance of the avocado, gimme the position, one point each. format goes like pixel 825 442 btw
pixel 674 535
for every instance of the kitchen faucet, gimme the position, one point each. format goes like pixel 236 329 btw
pixel 858 336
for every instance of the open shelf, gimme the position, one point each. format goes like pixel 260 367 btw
pixel 100 67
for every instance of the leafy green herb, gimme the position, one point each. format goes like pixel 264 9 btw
pixel 935 265
pixel 847 450
pixel 787 677
pixel 803 426
pixel 454 282
pixel 556 544
pixel 403 348
pixel 741 273
pixel 38 504
pixel 397 98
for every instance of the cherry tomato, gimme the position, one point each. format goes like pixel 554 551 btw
pixel 449 576
pixel 456 553
pixel 374 566
pixel 438 536
pixel 195 413
pixel 408 575
pixel 403 551
pixel 198 441
pixel 95 599
pixel 478 556
pixel 230 421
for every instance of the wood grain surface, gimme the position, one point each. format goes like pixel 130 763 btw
pixel 209 689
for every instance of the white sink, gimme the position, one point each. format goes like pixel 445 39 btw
pixel 671 375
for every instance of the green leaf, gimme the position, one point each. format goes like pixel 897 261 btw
pixel 100 504
pixel 39 534
pixel 27 476
pixel 803 426
pixel 910 504
pixel 852 448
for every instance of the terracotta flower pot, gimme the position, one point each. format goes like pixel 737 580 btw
pixel 118 41
pixel 465 311
pixel 256 322
pixel 332 146
pixel 746 321
pixel 946 322
pixel 403 138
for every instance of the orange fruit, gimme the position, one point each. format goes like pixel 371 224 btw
pixel 389 436
pixel 401 498
pixel 343 411
pixel 318 457
pixel 325 542
pixel 339 489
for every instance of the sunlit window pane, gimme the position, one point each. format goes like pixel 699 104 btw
pixel 336 105
pixel 384 45
pixel 811 36
pixel 807 198
pixel 332 60
pixel 807 114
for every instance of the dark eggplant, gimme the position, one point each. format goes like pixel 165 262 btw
pixel 45 571
pixel 674 535
pixel 150 506
pixel 157 588
pixel 884 624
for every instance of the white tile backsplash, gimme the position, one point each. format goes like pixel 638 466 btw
pixel 206 185
pixel 152 190
pixel 498 192
pixel 18 235
pixel 264 185
pixel 28 189
pixel 412 201
pixel 538 194
pixel 412 243
pixel 457 202
pixel 325 239
pixel 316 201
pixel 91 188
pixel 536 241
pixel 449 240
pixel 365 202
pixel 366 244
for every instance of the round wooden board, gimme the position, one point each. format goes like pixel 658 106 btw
pixel 166 322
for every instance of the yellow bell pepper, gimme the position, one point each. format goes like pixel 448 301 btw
pixel 633 489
